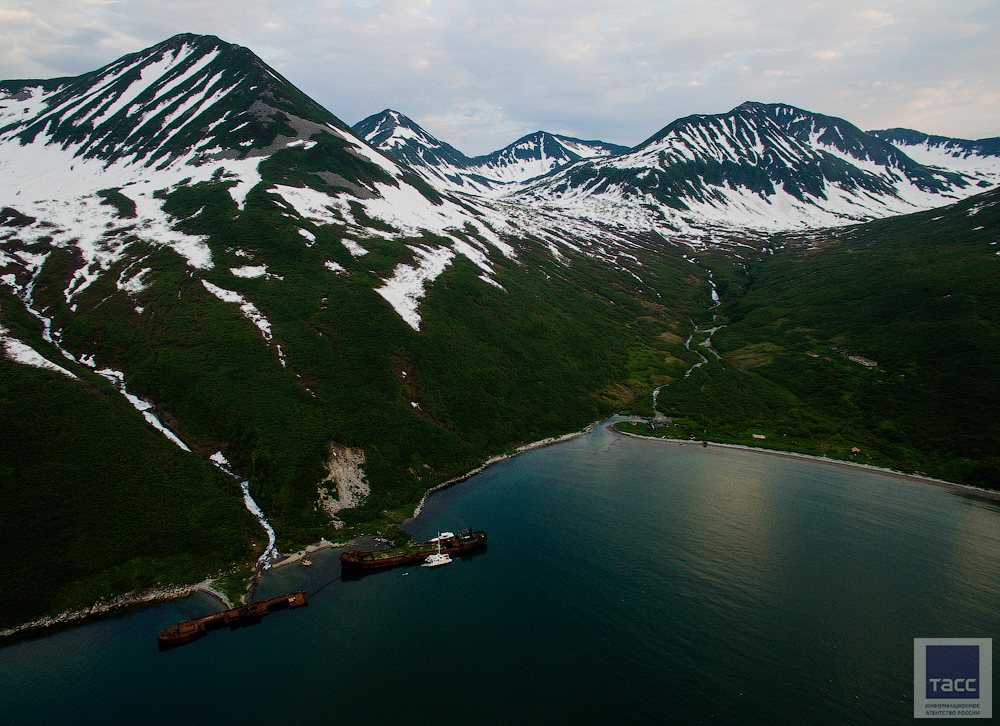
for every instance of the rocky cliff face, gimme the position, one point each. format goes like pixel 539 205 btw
pixel 346 477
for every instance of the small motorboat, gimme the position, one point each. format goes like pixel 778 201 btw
pixel 438 558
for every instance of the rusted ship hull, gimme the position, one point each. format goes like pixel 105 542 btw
pixel 381 559
pixel 188 630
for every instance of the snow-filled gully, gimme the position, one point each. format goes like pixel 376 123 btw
pixel 117 379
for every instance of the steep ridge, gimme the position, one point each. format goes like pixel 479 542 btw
pixel 444 166
pixel 186 226
pixel 979 159
pixel 405 141
pixel 763 166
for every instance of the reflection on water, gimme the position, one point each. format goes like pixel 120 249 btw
pixel 672 583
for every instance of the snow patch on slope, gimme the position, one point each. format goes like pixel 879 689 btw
pixel 983 167
pixel 134 284
pixel 248 309
pixel 117 379
pixel 24 354
pixel 249 271
pixel 406 286
pixel 34 180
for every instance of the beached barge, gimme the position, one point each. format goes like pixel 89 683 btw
pixel 188 630
pixel 410 553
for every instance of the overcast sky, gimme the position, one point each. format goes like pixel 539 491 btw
pixel 478 74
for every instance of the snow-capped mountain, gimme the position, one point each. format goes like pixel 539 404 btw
pixel 760 166
pixel 447 168
pixel 191 99
pixel 439 163
pixel 979 159
pixel 539 153
pixel 195 110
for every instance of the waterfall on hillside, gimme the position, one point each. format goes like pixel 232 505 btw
pixel 263 562
pixel 117 379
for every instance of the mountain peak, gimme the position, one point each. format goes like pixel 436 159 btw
pixel 192 39
pixel 390 128
pixel 765 166
pixel 404 140
pixel 399 118
pixel 190 92
pixel 532 155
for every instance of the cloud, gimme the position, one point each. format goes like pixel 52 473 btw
pixel 477 73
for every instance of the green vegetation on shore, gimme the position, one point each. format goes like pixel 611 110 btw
pixel 920 295
pixel 97 503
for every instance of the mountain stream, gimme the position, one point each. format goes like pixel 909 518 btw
pixel 706 343
pixel 117 379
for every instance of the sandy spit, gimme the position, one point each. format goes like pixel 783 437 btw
pixel 304 553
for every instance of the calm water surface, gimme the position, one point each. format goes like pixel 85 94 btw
pixel 626 581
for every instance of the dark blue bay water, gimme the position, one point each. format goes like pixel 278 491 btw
pixel 626 581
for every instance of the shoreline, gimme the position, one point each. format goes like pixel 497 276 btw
pixel 102 608
pixel 501 457
pixel 140 598
pixel 991 494
pixel 303 553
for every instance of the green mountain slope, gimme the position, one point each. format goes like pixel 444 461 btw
pixel 489 369
pixel 95 502
pixel 919 295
